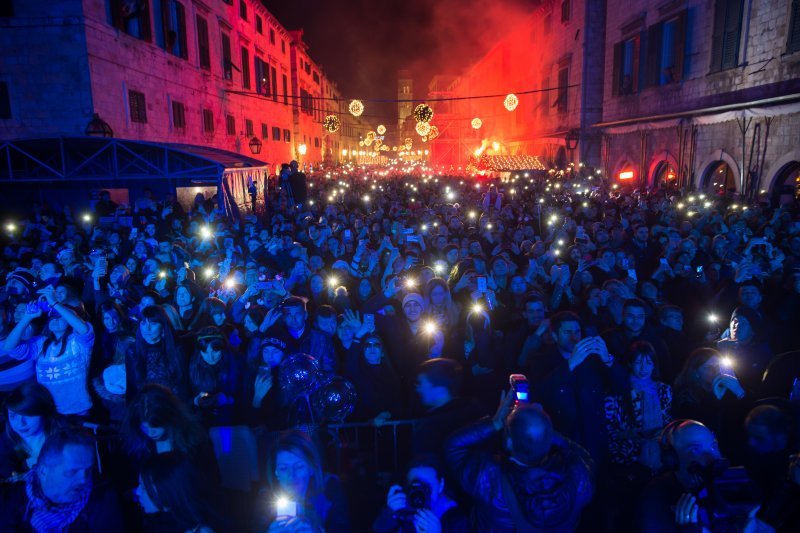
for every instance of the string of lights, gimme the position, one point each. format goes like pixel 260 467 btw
pixel 403 100
pixel 279 99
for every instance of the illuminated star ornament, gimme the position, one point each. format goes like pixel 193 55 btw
pixel 331 123
pixel 356 108
pixel 511 102
pixel 423 113
pixel 381 129
pixel 423 128
pixel 477 123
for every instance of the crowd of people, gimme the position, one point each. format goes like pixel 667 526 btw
pixel 568 353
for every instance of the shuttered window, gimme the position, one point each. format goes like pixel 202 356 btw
pixel 793 41
pixel 726 34
pixel 203 47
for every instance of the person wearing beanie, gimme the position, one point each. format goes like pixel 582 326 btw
pixel 745 346
pixel 408 342
pixel 20 283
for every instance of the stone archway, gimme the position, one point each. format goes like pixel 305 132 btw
pixel 711 164
pixel 659 166
pixel 776 170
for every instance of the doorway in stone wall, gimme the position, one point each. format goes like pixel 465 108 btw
pixel 787 185
pixel 665 177
pixel 719 179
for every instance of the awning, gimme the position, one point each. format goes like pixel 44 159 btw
pixel 780 105
pixel 108 161
pixel 93 159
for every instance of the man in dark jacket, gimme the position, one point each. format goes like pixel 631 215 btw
pixel 541 484
pixel 634 328
pixel 572 379
pixel 438 385
pixel 301 337
pixel 59 494
pixel 297 181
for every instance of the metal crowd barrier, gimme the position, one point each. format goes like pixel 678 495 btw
pixel 391 439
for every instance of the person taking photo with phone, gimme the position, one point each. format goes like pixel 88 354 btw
pixel 541 482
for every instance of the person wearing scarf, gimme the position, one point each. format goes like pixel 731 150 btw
pixel 59 494
pixel 45 515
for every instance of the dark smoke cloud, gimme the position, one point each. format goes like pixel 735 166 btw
pixel 363 43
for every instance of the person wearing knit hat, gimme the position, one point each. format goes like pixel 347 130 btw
pixel 20 282
pixel 413 297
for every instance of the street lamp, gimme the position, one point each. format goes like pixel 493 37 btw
pixel 255 145
pixel 98 127
pixel 572 138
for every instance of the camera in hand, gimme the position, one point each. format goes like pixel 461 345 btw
pixel 418 496
pixel 728 495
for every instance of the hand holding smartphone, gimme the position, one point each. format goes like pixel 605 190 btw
pixel 286 507
pixel 482 288
pixel 369 321
pixel 519 388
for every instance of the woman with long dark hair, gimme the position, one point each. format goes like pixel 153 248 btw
pixel 62 354
pixel 708 391
pixel 215 379
pixel 175 497
pixel 158 422
pixel 155 357
pixel 116 334
pixel 30 417
pixel 185 303
pixel 294 475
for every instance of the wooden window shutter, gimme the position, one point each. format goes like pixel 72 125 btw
pixel 653 47
pixel 616 80
pixel 793 44
pixel 635 72
pixel 733 26
pixel 717 35
pixel 680 45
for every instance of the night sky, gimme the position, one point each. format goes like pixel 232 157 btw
pixel 363 43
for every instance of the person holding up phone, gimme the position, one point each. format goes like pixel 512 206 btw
pixel 295 476
pixel 747 349
pixel 68 343
pixel 571 379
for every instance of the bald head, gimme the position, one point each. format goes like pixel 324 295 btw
pixel 530 433
pixel 695 444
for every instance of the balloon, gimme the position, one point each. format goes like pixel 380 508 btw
pixel 299 374
pixel 334 400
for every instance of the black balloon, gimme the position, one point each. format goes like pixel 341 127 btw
pixel 334 399
pixel 299 374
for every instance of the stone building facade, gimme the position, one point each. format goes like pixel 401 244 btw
pixel 704 94
pixel 552 60
pixel 191 72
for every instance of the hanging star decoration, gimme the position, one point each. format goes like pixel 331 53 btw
pixel 356 108
pixel 511 102
pixel 331 123
pixel 423 128
pixel 423 113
